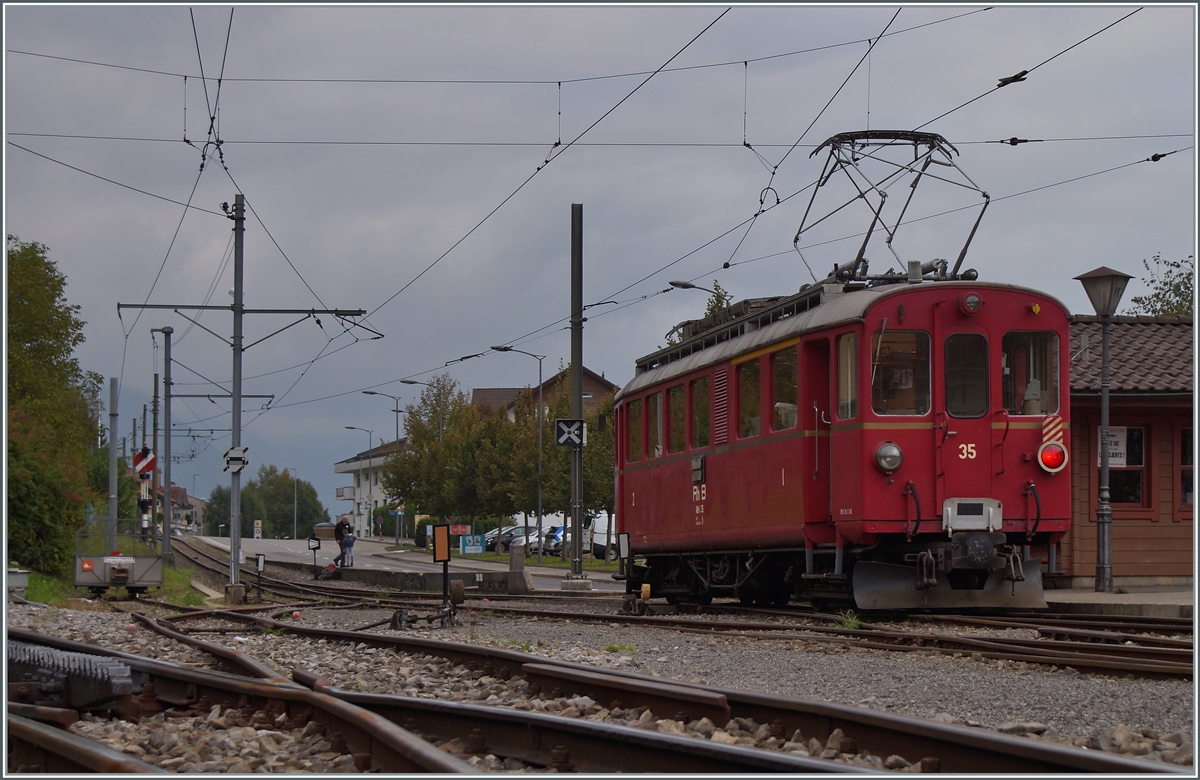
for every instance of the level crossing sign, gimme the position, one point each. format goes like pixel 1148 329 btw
pixel 570 433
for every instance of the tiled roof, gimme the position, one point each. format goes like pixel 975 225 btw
pixel 494 397
pixel 1146 354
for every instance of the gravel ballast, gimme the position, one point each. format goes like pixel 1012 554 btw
pixel 1152 718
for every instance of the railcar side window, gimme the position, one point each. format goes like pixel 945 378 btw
pixel 654 425
pixel 783 389
pixel 701 412
pixel 676 415
pixel 1029 362
pixel 900 372
pixel 966 375
pixel 847 371
pixel 748 386
pixel 634 416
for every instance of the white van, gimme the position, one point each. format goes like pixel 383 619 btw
pixel 603 536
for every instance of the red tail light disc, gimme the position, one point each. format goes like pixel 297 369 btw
pixel 1052 456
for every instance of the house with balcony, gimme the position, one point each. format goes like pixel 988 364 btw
pixel 366 491
pixel 595 388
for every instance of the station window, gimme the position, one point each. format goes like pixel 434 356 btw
pixel 633 415
pixel 1029 364
pixel 783 389
pixel 1127 465
pixel 654 425
pixel 847 371
pixel 701 412
pixel 1187 484
pixel 966 375
pixel 900 372
pixel 676 417
pixel 748 395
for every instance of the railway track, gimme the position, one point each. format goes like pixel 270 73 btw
pixel 1116 646
pixel 537 740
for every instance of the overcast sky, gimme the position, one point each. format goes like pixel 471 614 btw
pixel 387 155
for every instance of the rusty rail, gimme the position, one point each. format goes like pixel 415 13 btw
pixel 38 747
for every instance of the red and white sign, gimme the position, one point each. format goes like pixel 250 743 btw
pixel 143 462
pixel 460 530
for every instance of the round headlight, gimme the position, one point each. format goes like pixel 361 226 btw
pixel 970 303
pixel 1052 456
pixel 888 457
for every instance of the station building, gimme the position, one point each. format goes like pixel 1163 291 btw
pixel 1151 477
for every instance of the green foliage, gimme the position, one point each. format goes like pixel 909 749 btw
pixel 849 620
pixel 483 467
pixel 193 599
pixel 272 497
pixel 1172 287
pixel 45 589
pixel 620 647
pixel 53 405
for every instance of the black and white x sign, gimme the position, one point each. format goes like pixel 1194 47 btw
pixel 570 433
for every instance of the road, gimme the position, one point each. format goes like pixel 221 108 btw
pixel 372 554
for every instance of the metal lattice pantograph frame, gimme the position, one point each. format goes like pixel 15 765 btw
pixel 873 162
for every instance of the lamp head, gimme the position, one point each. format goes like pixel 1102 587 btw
pixel 683 285
pixel 502 349
pixel 1104 288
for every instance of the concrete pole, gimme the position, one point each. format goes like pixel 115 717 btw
pixel 167 512
pixel 112 464
pixel 154 480
pixel 577 387
pixel 235 479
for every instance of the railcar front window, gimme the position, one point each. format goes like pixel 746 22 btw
pixel 676 415
pixel 966 375
pixel 900 372
pixel 654 425
pixel 701 412
pixel 634 416
pixel 748 387
pixel 847 368
pixel 783 389
pixel 1029 363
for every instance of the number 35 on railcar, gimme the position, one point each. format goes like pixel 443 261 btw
pixel 904 445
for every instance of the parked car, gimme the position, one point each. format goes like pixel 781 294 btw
pixel 499 539
pixel 489 539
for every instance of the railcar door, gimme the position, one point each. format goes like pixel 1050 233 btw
pixel 962 423
pixel 815 417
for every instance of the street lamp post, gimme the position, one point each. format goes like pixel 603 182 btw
pixel 1104 288
pixel 397 410
pixel 295 493
pixel 539 359
pixel 220 530
pixel 370 441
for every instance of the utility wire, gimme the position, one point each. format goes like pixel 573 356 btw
pixel 549 158
pixel 542 144
pixel 1020 76
pixel 517 82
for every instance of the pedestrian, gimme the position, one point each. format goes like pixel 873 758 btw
pixel 339 534
pixel 348 548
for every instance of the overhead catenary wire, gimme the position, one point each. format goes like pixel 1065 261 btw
pixel 518 82
pixel 1021 75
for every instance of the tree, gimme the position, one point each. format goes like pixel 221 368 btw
pixel 716 303
pixel 1172 287
pixel 270 498
pixel 52 410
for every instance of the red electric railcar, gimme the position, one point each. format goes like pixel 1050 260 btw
pixel 902 442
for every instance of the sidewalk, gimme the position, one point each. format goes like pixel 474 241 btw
pixel 1148 602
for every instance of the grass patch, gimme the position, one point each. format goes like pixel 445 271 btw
pixel 847 619
pixel 619 647
pixel 50 590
